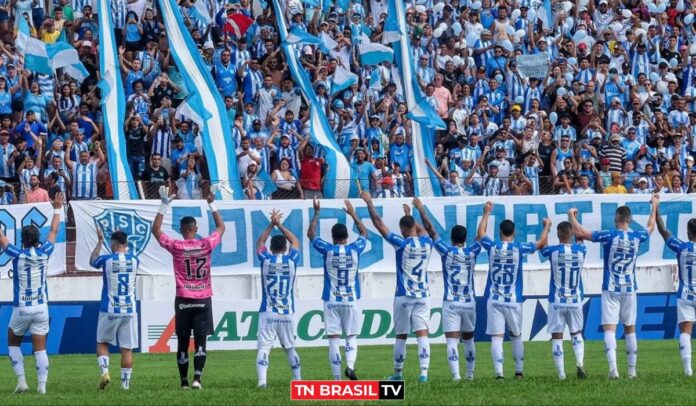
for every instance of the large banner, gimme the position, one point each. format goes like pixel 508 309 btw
pixel 14 217
pixel 236 322
pixel 245 221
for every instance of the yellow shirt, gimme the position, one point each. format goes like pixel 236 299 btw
pixel 50 37
pixel 621 189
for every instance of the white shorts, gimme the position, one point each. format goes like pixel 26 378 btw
pixel 458 316
pixel 686 311
pixel 502 314
pixel 120 330
pixel 274 326
pixel 619 308
pixel 341 318
pixel 565 314
pixel 411 314
pixel 31 318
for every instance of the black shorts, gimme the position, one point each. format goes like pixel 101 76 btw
pixel 193 314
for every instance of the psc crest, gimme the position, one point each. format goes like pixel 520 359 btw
pixel 128 221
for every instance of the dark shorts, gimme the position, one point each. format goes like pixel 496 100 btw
pixel 193 314
pixel 133 46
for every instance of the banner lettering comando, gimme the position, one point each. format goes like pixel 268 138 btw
pixel 14 217
pixel 245 221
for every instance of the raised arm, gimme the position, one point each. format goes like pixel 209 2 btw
pixel 425 219
pixel 219 223
pixel 544 240
pixel 350 210
pixel 294 242
pixel 655 202
pixel 55 222
pixel 483 225
pixel 164 208
pixel 580 232
pixel 98 247
pixel 261 242
pixel 312 229
pixel 374 216
pixel 664 232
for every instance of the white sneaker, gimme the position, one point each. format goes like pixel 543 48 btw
pixel 456 377
pixel 632 376
pixel 562 377
pixel 196 385
pixel 21 388
pixel 469 376
pixel 613 374
pixel 688 373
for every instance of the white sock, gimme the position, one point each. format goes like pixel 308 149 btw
pixel 262 361
pixel 103 362
pixel 497 354
pixel 294 362
pixel 335 357
pixel 557 352
pixel 579 349
pixel 126 377
pixel 470 351
pixel 41 369
pixel 518 352
pixel 351 351
pixel 610 348
pixel 399 355
pixel 453 356
pixel 684 351
pixel 424 354
pixel 632 352
pixel 17 360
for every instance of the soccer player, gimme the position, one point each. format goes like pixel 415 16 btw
pixel 686 293
pixel 341 287
pixel 565 297
pixel 118 318
pixel 276 320
pixel 504 288
pixel 619 301
pixel 30 296
pixel 459 302
pixel 193 307
pixel 411 300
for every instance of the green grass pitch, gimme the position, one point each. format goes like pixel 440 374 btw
pixel 230 378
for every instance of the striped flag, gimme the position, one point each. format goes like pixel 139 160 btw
pixel 237 25
pixel 373 53
pixel 329 43
pixel 63 55
pixel 299 36
pixel 200 12
pixel 35 55
pixel 342 79
pixel 192 107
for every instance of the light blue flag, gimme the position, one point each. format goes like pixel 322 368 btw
pixel 375 80
pixel 63 55
pixel 342 79
pixel 373 53
pixel 193 109
pixel 311 3
pixel 299 36
pixel 35 55
pixel 200 12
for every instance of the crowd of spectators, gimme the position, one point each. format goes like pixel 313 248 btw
pixel 614 113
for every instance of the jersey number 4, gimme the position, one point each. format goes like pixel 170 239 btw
pixel 200 271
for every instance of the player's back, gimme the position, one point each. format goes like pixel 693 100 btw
pixel 566 261
pixel 620 250
pixel 278 281
pixel 412 257
pixel 686 261
pixel 119 275
pixel 505 269
pixel 29 272
pixel 341 264
pixel 458 270
pixel 192 262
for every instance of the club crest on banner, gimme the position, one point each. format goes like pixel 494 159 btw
pixel 137 228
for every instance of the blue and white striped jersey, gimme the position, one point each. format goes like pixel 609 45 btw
pixel 29 271
pixel 505 274
pixel 566 267
pixel 278 281
pixel 686 260
pixel 118 291
pixel 458 270
pixel 84 179
pixel 341 265
pixel 412 256
pixel 620 249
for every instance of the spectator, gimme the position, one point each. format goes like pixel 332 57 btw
pixel 84 172
pixel 311 172
pixel 34 193
pixel 616 185
pixel 7 195
pixel 189 182
pixel 285 181
pixel 135 144
pixel 156 175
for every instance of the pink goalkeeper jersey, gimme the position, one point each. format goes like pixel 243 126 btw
pixel 192 261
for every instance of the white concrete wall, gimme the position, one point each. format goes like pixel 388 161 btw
pixel 373 285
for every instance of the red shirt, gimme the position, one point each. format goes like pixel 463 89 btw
pixel 310 174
